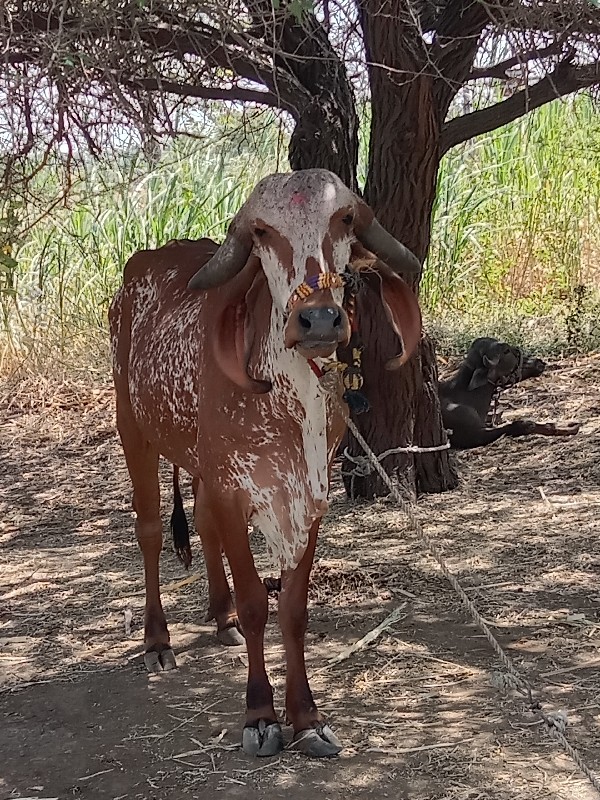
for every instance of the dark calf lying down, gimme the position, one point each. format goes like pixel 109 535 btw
pixel 466 397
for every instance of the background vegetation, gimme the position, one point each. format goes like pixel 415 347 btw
pixel 515 249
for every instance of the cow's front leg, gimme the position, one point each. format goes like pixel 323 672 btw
pixel 311 735
pixel 262 734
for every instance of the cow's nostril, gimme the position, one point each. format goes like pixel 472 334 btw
pixel 337 321
pixel 304 319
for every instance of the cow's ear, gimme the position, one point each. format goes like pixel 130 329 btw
pixel 401 309
pixel 479 378
pixel 235 331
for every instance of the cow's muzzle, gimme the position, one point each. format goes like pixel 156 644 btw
pixel 317 329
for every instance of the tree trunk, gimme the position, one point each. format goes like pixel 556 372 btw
pixel 326 136
pixel 404 158
pixel 326 131
pixel 404 410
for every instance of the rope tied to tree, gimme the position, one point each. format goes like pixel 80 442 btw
pixel 363 465
pixel 555 721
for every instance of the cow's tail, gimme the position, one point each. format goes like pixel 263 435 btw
pixel 179 524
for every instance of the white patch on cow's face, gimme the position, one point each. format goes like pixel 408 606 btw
pixel 298 208
pixel 341 259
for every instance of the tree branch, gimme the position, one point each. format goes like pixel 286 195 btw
pixel 235 94
pixel 176 39
pixel 458 31
pixel 461 19
pixel 499 70
pixel 565 79
pixel 19 58
pixel 550 16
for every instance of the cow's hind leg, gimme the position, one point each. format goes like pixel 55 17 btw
pixel 142 463
pixel 311 735
pixel 262 734
pixel 220 603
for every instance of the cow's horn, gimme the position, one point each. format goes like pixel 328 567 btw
pixel 229 259
pixel 388 249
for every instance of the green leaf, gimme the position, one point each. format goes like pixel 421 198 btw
pixel 7 263
pixel 298 8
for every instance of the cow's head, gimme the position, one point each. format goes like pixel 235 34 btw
pixel 494 362
pixel 302 227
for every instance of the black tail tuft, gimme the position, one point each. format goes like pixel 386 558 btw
pixel 179 525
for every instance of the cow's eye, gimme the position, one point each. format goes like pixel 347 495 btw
pixel 259 232
pixel 348 219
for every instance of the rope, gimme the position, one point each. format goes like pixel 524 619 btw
pixel 495 404
pixel 410 448
pixel 363 467
pixel 555 722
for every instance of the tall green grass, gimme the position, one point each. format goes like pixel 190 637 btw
pixel 516 232
pixel 68 266
pixel 515 219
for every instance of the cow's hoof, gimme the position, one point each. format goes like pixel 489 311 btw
pixel 231 637
pixel 159 662
pixel 264 739
pixel 318 742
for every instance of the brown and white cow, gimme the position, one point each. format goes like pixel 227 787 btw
pixel 216 354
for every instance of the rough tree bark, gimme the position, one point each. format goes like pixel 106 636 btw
pixel 326 131
pixel 403 165
pixel 326 135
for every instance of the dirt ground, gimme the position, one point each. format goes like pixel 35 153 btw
pixel 417 709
